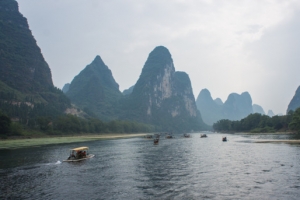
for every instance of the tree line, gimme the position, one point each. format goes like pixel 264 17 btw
pixel 257 123
pixel 18 117
pixel 70 124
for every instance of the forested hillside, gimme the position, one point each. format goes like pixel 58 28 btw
pixel 257 123
pixel 95 89
pixel 26 88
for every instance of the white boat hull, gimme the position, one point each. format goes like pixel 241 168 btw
pixel 81 159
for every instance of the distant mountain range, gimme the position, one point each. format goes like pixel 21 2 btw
pixel 236 107
pixel 161 96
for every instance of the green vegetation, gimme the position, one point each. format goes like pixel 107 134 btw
pixel 22 65
pixel 31 142
pixel 25 108
pixel 257 123
pixel 26 88
pixel 295 123
pixel 94 88
pixel 5 123
pixel 22 114
pixel 68 125
pixel 30 104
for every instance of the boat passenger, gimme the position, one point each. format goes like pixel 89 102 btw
pixel 72 156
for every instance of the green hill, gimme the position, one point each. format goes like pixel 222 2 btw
pixel 95 89
pixel 26 88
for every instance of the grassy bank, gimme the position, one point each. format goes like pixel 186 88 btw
pixel 34 142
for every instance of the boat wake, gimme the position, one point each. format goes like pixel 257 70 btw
pixel 58 162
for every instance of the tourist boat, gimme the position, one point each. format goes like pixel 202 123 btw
pixel 203 135
pixel 224 139
pixel 79 154
pixel 155 141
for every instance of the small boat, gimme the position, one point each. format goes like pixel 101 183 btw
pixel 224 139
pixel 155 141
pixel 149 136
pixel 79 154
pixel 203 136
pixel 186 135
pixel 169 136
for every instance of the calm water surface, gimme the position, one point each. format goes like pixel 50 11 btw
pixel 180 168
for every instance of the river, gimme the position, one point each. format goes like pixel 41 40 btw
pixel 134 168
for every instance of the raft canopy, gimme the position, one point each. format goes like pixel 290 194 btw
pixel 80 149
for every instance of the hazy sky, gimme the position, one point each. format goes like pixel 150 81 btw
pixel 224 46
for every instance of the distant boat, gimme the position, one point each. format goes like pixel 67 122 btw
pixel 203 136
pixel 149 136
pixel 224 139
pixel 186 135
pixel 79 154
pixel 155 141
pixel 169 136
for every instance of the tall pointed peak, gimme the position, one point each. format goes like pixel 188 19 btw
pixel 158 60
pixel 98 60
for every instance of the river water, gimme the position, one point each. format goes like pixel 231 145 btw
pixel 180 168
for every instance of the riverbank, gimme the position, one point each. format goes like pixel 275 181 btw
pixel 291 137
pixel 35 142
pixel 271 133
pixel 267 133
pixel 279 141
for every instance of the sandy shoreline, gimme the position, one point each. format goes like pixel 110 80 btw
pixel 33 142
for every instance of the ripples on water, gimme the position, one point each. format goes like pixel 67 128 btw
pixel 180 168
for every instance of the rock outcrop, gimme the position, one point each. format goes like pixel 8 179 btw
pixel 128 91
pixel 258 109
pixel 295 102
pixel 270 113
pixel 211 110
pixel 66 87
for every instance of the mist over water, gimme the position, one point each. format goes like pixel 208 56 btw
pixel 180 168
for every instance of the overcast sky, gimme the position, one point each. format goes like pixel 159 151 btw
pixel 224 46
